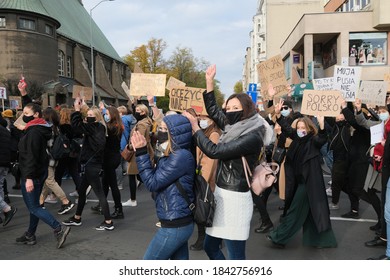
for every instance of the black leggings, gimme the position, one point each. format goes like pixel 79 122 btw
pixel 109 178
pixel 70 164
pixel 133 186
pixel 261 204
pixel 92 177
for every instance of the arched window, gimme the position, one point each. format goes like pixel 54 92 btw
pixel 61 63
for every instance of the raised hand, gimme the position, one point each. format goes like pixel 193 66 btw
pixel 278 106
pixel 211 72
pixel 138 140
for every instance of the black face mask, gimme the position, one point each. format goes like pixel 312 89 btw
pixel 138 116
pixel 27 119
pixel 234 117
pixel 162 137
pixel 341 123
pixel 91 119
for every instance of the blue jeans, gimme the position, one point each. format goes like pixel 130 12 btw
pixel 387 217
pixel 170 243
pixel 31 199
pixel 235 248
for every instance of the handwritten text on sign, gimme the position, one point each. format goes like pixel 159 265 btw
pixel 181 99
pixel 323 84
pixel 271 71
pixel 373 92
pixel 377 132
pixel 321 103
pixel 347 79
pixel 82 92
pixel 147 84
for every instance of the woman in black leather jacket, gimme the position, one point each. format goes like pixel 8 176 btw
pixel 242 135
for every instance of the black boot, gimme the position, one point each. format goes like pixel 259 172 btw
pixel 118 213
pixel 265 227
pixel 198 245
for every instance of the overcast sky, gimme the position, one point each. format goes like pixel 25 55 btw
pixel 215 30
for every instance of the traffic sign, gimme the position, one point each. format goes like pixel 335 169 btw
pixel 253 95
pixel 252 87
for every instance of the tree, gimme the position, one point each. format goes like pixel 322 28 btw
pixel 238 87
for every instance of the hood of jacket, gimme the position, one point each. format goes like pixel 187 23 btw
pixel 180 130
pixel 45 129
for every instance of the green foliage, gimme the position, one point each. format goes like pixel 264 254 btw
pixel 238 87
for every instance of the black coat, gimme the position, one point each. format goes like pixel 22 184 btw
pixel 5 147
pixel 311 172
pixel 230 170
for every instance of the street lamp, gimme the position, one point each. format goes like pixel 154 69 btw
pixel 92 58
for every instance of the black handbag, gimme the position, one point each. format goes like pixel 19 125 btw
pixel 279 154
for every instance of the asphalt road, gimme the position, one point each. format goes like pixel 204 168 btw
pixel 132 234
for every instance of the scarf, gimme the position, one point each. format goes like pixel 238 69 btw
pixel 234 131
pixel 38 121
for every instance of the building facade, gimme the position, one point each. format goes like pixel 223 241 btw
pixel 49 43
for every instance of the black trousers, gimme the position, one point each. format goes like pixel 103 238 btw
pixel 339 179
pixel 109 179
pixel 261 204
pixel 72 165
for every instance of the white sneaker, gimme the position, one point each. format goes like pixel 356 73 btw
pixel 51 199
pixel 130 202
pixel 333 206
pixel 120 187
pixel 158 224
pixel 329 192
pixel 75 193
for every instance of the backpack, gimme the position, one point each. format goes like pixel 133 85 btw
pixel 61 147
pixel 203 207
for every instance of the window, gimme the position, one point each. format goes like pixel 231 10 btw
pixel 2 21
pixel 49 29
pixel 27 24
pixel 69 66
pixel 287 67
pixel 61 63
pixel 368 48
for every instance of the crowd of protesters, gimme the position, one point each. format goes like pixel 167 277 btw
pixel 167 149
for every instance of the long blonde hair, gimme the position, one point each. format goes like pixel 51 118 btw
pixel 99 117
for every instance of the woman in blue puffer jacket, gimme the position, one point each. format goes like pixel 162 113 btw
pixel 177 164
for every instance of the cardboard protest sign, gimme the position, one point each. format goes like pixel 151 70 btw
pixel 387 79
pixel 3 93
pixel 346 80
pixel 323 84
pixel 137 69
pixel 181 99
pixel 15 102
pixel 84 93
pixel 377 132
pixel 372 92
pixel 147 84
pixel 321 103
pixel 271 71
pixel 174 83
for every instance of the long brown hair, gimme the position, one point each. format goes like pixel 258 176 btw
pixel 310 126
pixel 115 120
pixel 65 116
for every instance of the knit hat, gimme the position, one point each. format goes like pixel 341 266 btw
pixel 7 114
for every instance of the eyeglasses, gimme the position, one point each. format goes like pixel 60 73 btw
pixel 285 108
pixel 162 129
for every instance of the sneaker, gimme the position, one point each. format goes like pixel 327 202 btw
pixel 329 192
pixel 51 199
pixel 333 206
pixel 88 191
pixel 75 193
pixel 9 215
pixel 65 208
pixel 97 209
pixel 158 224
pixel 330 182
pixel 105 226
pixel 351 215
pixel 120 187
pixel 26 238
pixel 130 202
pixel 72 221
pixel 61 236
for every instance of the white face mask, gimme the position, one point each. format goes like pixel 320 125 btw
pixel 383 116
pixel 203 124
pixel 285 113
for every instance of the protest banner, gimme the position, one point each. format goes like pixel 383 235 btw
pixel 387 79
pixel 323 84
pixel 174 83
pixel 346 80
pixel 321 103
pixel 377 132
pixel 271 71
pixel 184 98
pixel 372 92
pixel 84 93
pixel 147 84
pixel 15 102
pixel 3 95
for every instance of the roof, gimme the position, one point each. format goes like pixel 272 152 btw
pixel 65 12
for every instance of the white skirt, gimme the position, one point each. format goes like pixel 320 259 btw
pixel 233 215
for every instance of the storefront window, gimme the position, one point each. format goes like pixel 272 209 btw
pixel 367 48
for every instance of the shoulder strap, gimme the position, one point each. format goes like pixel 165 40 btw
pixel 246 170
pixel 185 196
